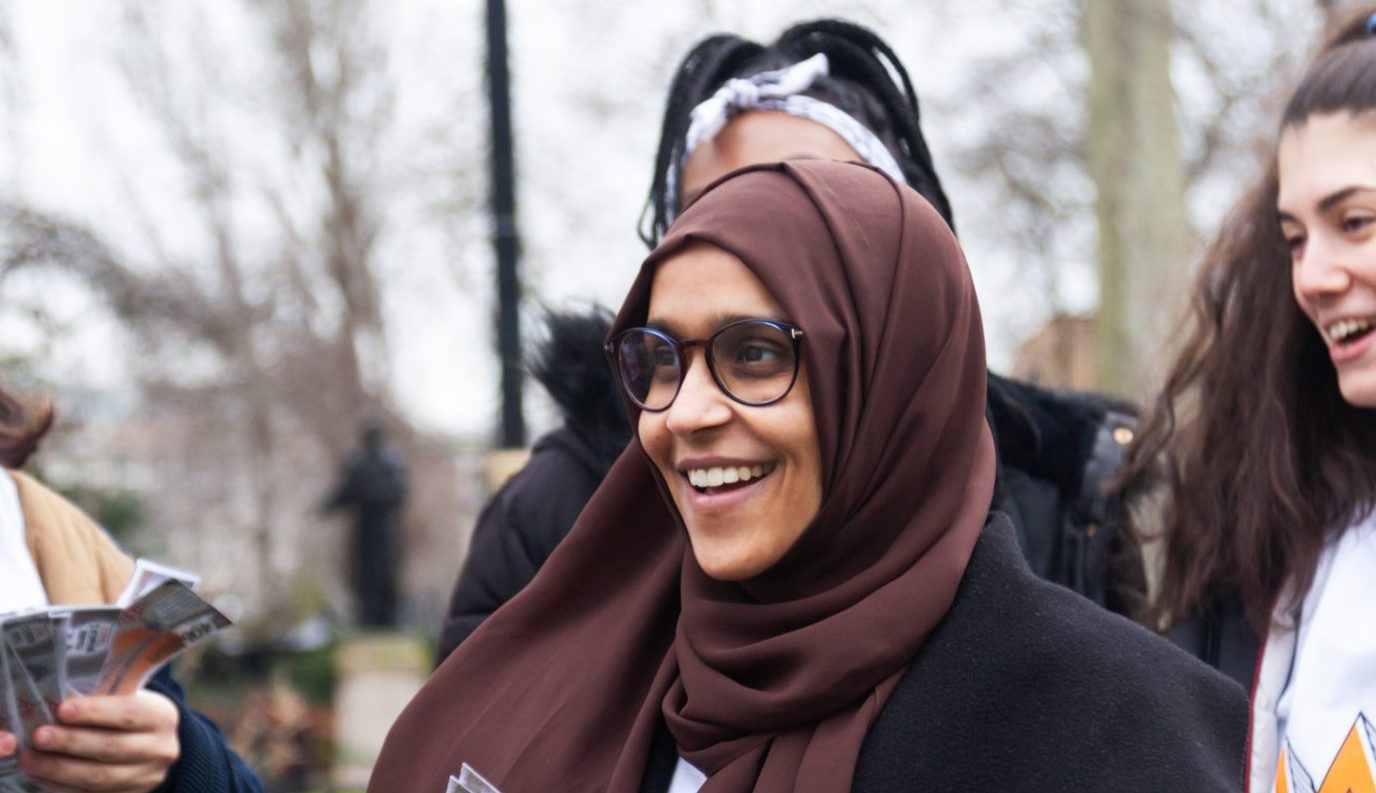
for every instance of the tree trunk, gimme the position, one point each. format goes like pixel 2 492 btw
pixel 1138 171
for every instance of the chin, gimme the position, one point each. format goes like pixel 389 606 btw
pixel 1359 390
pixel 728 566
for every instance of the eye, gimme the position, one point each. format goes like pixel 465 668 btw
pixel 1356 222
pixel 758 351
pixel 1294 240
pixel 664 363
pixel 663 355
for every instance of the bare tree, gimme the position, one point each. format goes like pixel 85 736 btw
pixel 1135 160
pixel 1106 138
pixel 264 338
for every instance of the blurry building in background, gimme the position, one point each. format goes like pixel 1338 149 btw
pixel 1062 354
pixel 185 480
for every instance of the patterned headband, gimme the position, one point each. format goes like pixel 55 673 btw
pixel 782 90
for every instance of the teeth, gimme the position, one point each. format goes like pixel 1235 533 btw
pixel 1345 329
pixel 718 476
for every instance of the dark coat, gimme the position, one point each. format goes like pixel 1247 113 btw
pixel 524 521
pixel 1059 452
pixel 1223 639
pixel 206 764
pixel 519 528
pixel 1026 686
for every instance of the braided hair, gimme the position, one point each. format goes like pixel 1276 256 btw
pixel 866 81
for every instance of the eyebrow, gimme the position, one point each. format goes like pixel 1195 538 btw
pixel 717 321
pixel 1329 201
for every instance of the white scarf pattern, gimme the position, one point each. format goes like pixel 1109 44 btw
pixel 782 90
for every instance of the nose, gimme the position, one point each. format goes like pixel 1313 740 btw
pixel 1322 270
pixel 700 404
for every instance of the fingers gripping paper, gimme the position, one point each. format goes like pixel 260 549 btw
pixel 47 656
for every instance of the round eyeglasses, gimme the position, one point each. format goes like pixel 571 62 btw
pixel 753 361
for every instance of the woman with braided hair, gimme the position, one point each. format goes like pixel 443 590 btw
pixel 855 78
pixel 834 89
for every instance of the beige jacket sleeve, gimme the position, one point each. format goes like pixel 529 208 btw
pixel 77 561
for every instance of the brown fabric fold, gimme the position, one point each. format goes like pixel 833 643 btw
pixel 769 684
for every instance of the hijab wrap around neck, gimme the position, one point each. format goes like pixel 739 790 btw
pixel 769 684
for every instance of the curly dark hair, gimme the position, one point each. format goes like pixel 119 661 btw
pixel 1260 457
pixel 866 80
pixel 568 362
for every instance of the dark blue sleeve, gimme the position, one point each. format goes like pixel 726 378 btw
pixel 206 764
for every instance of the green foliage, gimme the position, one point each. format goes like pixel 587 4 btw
pixel 314 673
pixel 119 511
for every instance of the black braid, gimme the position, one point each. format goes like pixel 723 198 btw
pixel 699 74
pixel 861 84
pixel 861 57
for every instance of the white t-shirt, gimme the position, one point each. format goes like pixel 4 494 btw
pixel 1326 713
pixel 20 586
pixel 687 779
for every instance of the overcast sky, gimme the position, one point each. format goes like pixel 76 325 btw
pixel 589 83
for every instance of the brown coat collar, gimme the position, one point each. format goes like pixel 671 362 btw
pixel 77 561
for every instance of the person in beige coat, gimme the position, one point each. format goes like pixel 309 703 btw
pixel 51 553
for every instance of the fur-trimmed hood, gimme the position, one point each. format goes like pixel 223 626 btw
pixel 569 364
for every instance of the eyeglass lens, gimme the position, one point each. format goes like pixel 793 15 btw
pixel 753 362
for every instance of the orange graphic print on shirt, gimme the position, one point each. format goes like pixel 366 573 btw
pixel 1353 769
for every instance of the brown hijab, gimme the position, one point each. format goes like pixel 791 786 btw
pixel 770 684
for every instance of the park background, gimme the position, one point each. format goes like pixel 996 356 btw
pixel 231 230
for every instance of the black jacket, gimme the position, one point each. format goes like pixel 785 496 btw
pixel 1223 639
pixel 531 513
pixel 1025 686
pixel 519 528
pixel 1059 452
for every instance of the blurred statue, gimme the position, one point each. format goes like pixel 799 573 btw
pixel 372 484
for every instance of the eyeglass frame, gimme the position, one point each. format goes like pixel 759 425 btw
pixel 680 347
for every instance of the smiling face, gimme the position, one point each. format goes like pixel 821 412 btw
pixel 1327 207
pixel 759 136
pixel 746 480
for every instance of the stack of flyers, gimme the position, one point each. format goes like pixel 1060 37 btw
pixel 50 654
pixel 147 575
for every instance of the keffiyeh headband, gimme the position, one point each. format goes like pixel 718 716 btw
pixel 782 90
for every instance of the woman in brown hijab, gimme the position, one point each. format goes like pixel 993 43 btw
pixel 792 579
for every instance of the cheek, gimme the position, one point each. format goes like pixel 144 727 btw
pixel 1306 306
pixel 658 442
pixel 796 437
pixel 654 436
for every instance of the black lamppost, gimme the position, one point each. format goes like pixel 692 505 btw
pixel 505 239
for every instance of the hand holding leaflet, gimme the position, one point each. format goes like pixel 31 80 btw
pixel 152 631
